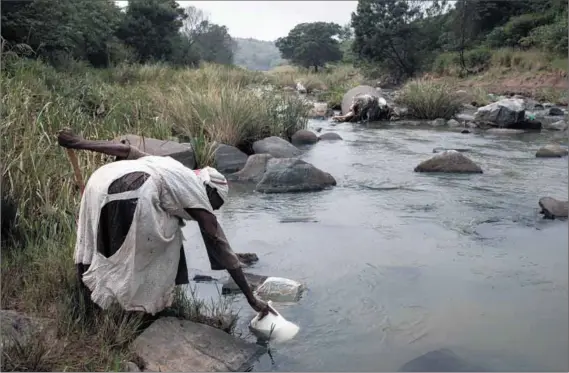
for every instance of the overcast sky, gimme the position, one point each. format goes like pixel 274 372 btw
pixel 269 20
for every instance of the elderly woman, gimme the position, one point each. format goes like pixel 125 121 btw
pixel 129 240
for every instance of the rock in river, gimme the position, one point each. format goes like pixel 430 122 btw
pixel 503 113
pixel 277 147
pixel 229 159
pixel 552 208
pixel 253 170
pixel 552 151
pixel 449 161
pixel 304 137
pixel 286 175
pixel 555 111
pixel 174 345
pixel 330 136
pixel 560 125
pixel 182 153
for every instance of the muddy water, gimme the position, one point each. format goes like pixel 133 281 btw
pixel 399 264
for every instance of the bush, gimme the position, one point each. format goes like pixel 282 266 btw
pixel 552 37
pixel 429 99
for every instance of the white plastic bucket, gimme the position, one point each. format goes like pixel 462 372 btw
pixel 273 327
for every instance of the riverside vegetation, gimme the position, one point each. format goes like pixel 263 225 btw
pixel 165 95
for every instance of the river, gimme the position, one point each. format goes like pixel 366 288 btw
pixel 399 263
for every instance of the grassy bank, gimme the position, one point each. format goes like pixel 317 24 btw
pixel 38 276
pixel 532 73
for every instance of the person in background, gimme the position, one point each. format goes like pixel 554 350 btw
pixel 129 239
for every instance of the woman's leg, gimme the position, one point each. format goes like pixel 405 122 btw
pixel 67 139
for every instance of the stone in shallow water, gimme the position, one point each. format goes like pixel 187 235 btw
pixel 277 147
pixel 304 137
pixel 229 159
pixel 330 136
pixel 287 175
pixel 442 360
pixel 551 151
pixel 552 208
pixel 449 161
pixel 174 345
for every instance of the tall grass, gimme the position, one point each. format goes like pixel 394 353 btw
pixel 428 99
pixel 210 105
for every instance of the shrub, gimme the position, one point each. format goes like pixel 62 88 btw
pixel 427 99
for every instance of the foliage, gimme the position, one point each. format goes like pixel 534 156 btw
pixel 311 44
pixel 429 99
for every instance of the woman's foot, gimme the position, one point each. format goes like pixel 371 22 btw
pixel 67 139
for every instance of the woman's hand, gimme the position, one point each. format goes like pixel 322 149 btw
pixel 262 307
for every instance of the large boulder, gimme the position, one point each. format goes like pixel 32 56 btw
pixel 174 345
pixel 277 147
pixel 503 113
pixel 552 208
pixel 368 104
pixel 229 159
pixel 285 175
pixel 449 161
pixel 182 153
pixel 330 136
pixel 304 137
pixel 560 125
pixel 253 170
pixel 552 151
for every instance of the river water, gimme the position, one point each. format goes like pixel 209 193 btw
pixel 399 263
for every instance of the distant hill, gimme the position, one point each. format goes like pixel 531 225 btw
pixel 257 54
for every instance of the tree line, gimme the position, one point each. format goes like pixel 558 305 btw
pixel 404 37
pixel 99 32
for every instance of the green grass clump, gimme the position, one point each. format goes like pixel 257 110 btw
pixel 427 99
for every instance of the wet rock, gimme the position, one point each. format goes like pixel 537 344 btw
pixel 440 150
pixel 439 122
pixel 254 281
pixel 304 137
pixel 504 131
pixel 552 208
pixel 229 159
pixel 286 175
pixel 449 161
pixel 552 151
pixel 20 328
pixel 277 147
pixel 442 360
pixel 253 170
pixel 330 136
pixel 503 113
pixel 247 258
pixel 174 345
pixel 465 131
pixel 556 112
pixel 452 123
pixel 547 105
pixel 560 125
pixel 182 153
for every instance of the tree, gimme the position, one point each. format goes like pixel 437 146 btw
pixel 79 29
pixel 311 44
pixel 151 28
pixel 385 32
pixel 214 43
